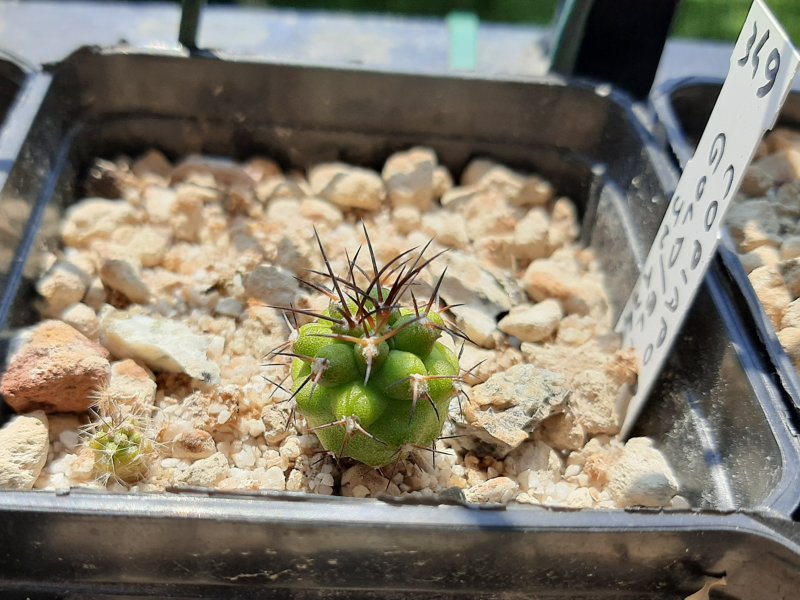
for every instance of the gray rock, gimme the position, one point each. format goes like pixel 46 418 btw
pixel 206 471
pixel 510 405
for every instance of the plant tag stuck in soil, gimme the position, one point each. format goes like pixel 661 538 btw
pixel 762 68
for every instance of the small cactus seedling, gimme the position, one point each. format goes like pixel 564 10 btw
pixel 370 376
pixel 119 441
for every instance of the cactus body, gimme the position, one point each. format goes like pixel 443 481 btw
pixel 370 377
pixel 120 451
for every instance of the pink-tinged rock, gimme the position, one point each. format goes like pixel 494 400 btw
pixel 57 370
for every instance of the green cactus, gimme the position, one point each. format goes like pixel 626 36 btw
pixel 118 438
pixel 369 376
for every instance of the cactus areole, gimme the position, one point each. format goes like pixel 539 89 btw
pixel 370 376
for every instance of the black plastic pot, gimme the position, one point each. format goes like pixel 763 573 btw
pixel 716 413
pixel 684 107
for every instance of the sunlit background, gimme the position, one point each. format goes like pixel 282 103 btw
pixel 710 19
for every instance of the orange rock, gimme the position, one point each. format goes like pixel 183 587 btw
pixel 56 371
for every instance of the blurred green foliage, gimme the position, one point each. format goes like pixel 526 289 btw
pixel 710 19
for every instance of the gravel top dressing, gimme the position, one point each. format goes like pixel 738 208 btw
pixel 161 360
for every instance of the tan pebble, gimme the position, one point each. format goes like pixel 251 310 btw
pixel 206 471
pixel 790 247
pixel 82 468
pixel 409 178
pixel 57 370
pixel 321 212
pixel 782 166
pixel 531 239
pixel 547 278
pixel 274 479
pixel 754 224
pixel 149 244
pixel 63 285
pixel 23 450
pixel 124 277
pixel 406 218
pixel 564 227
pixel 532 323
pixel 782 138
pixel 158 202
pixel 575 330
pixel 275 421
pixel 580 498
pixel 788 199
pixel 477 325
pixel 96 295
pixel 82 318
pixel 94 219
pixel 457 198
pixel 186 216
pixel 259 168
pixel 790 270
pixel 152 163
pixel 756 181
pixel 131 385
pixel 791 317
pixel 448 228
pixel 276 187
pixel 213 172
pixel 759 257
pixel 563 432
pixel 641 477
pixel 774 296
pixel 442 181
pixel 193 444
pixel 790 340
pixel 295 481
pixel 500 490
pixel 347 186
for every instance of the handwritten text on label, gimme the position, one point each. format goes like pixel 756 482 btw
pixel 762 68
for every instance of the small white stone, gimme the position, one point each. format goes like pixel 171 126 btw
pixel 83 318
pixel 477 325
pixel 23 450
pixel 347 186
pixel 406 218
pixel 94 219
pixel 409 177
pixel 274 479
pixel 245 458
pixel 641 477
pixel 158 203
pixel 162 344
pixel 63 285
pixel 124 277
pixel 532 323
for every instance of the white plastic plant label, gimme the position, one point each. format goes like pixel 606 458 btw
pixel 762 68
